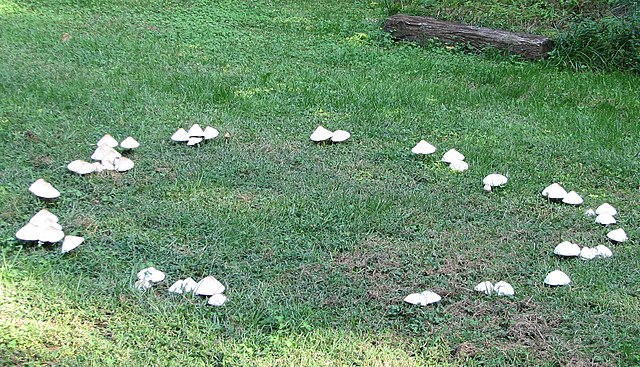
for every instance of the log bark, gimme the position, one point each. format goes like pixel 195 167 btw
pixel 420 29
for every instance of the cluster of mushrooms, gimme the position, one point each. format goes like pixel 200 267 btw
pixel 106 156
pixel 195 135
pixel 452 157
pixel 43 227
pixel 209 286
pixel 321 135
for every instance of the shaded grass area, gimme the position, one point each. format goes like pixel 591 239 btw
pixel 317 244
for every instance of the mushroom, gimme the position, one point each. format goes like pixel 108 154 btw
pixel 43 189
pixel 567 248
pixel 485 287
pixel 129 143
pixel 588 253
pixel 151 274
pixel 194 141
pixel 605 219
pixel 110 156
pixel 557 278
pixel 81 167
pixel 503 288
pixel 452 155
pixel 603 251
pixel 108 140
pixel 554 192
pixel 71 242
pixel 459 166
pixel 123 164
pixel 196 131
pixel 30 232
pixel 189 285
pixel 43 218
pixel 218 299
pixel 209 286
pixel 423 299
pixel 210 133
pixel 494 180
pixel 51 234
pixel 423 148
pixel 590 213
pixel 321 134
pixel 101 152
pixel 180 135
pixel 606 208
pixel 142 284
pixel 572 198
pixel 340 136
pixel 177 287
pixel 617 235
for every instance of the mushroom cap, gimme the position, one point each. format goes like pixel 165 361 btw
pixel 195 131
pixel 129 143
pixel 194 140
pixel 177 287
pixel 218 299
pixel 503 288
pixel 123 164
pixel 459 166
pixel 98 167
pixel 572 198
pixel 71 242
pixel 180 135
pixel 567 248
pixel 606 208
pixel 557 278
pixel 51 234
pixel 81 167
pixel 340 136
pixel 320 134
pixel 589 213
pixel 495 179
pixel 617 235
pixel 151 274
pixel 605 219
pixel 107 166
pixel 209 286
pixel 588 253
pixel 423 299
pixel 142 284
pixel 189 285
pixel 603 251
pixel 110 156
pixel 43 189
pixel 210 133
pixel 554 192
pixel 101 152
pixel 43 218
pixel 485 287
pixel 107 140
pixel 423 147
pixel 487 188
pixel 30 232
pixel 452 155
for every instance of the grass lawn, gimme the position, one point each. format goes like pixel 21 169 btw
pixel 317 244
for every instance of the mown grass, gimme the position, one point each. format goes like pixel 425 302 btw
pixel 317 244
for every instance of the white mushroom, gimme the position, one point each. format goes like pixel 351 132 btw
pixel 554 192
pixel 30 232
pixel 43 218
pixel 503 288
pixel 51 234
pixel 123 164
pixel 494 180
pixel 194 141
pixel 177 287
pixel 339 136
pixel 107 166
pixel 81 167
pixel 588 253
pixel 572 198
pixel 189 285
pixel 98 167
pixel 108 140
pixel 218 299
pixel 101 152
pixel 209 286
pixel 423 299
pixel 321 134
pixel 603 251
pixel 142 284
pixel 590 213
pixel 617 235
pixel 71 242
pixel 606 208
pixel 423 147
pixel 567 248
pixel 180 135
pixel 210 133
pixel 151 274
pixel 452 155
pixel 459 166
pixel 605 219
pixel 485 287
pixel 557 278
pixel 196 131
pixel 43 189
pixel 129 143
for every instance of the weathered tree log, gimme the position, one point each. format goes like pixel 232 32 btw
pixel 420 29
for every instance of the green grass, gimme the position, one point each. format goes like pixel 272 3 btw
pixel 317 244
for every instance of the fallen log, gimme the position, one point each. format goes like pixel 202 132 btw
pixel 420 29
